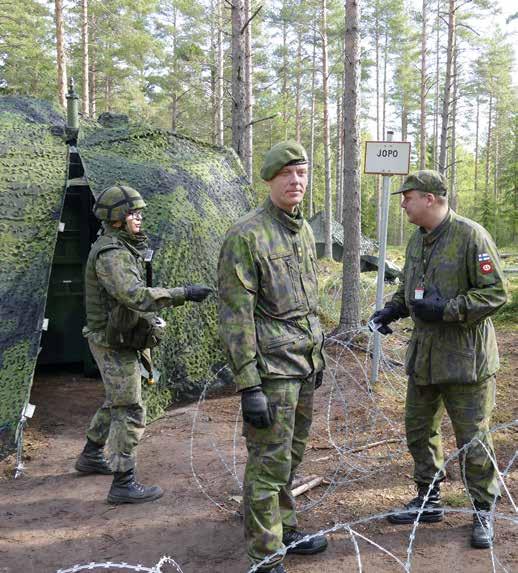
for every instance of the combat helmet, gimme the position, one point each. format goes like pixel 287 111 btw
pixel 114 203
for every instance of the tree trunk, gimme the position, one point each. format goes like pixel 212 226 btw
pixel 453 154
pixel 477 128
pixel 93 68
pixel 339 153
pixel 284 71
pixel 350 311
pixel 220 127
pixel 488 144
pixel 298 72
pixel 60 53
pixel 312 129
pixel 423 90
pixel 213 68
pixel 248 139
pixel 378 118
pixel 445 115
pixel 238 79
pixel 436 95
pixel 86 63
pixel 174 74
pixel 328 206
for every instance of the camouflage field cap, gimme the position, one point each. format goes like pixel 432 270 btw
pixel 284 153
pixel 426 180
pixel 114 203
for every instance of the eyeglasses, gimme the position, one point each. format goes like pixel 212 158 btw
pixel 136 215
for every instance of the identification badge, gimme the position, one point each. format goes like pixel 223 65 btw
pixel 419 293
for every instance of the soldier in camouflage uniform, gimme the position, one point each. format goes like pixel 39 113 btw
pixel 268 296
pixel 452 284
pixel 121 328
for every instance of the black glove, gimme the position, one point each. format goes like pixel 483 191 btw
pixel 197 293
pixel 431 307
pixel 256 410
pixel 385 316
pixel 319 378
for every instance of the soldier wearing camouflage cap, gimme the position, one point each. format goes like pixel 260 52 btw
pixel 452 284
pixel 122 326
pixel 268 296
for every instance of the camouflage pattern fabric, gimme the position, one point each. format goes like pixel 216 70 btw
pixel 273 456
pixel 120 421
pixel 451 363
pixel 469 407
pixel 460 259
pixel 115 273
pixel 268 296
pixel 193 192
pixel 426 181
pixel 32 187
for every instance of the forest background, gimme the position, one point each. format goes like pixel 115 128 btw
pixel 445 86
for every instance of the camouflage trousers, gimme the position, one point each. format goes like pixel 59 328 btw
pixel 120 421
pixel 274 454
pixel 469 407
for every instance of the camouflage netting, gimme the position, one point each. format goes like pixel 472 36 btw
pixel 32 183
pixel 193 192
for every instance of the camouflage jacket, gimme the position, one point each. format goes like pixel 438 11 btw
pixel 268 297
pixel 115 273
pixel 460 259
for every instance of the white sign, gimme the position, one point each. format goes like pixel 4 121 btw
pixel 387 157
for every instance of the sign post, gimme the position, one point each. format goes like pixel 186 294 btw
pixel 384 158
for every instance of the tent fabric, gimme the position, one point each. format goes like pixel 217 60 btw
pixel 32 185
pixel 194 192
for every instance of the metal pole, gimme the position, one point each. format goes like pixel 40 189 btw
pixel 376 355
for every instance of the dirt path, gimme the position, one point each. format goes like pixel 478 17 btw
pixel 52 518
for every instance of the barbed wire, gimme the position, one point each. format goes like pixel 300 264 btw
pixel 348 436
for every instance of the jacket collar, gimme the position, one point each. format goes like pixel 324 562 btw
pixel 292 222
pixel 432 236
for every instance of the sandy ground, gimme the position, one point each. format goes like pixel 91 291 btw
pixel 52 518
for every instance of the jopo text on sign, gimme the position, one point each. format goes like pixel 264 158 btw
pixel 387 158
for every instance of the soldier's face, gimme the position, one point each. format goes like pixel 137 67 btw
pixel 134 222
pixel 417 206
pixel 287 188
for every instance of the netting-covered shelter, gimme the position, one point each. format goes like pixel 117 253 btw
pixel 194 192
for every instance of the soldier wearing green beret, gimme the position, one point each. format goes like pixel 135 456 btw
pixel 268 296
pixel 452 284
pixel 122 326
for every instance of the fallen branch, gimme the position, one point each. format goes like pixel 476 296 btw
pixel 376 444
pixel 307 486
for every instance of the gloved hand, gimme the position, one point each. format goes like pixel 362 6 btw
pixel 197 293
pixel 319 378
pixel 431 307
pixel 256 410
pixel 385 316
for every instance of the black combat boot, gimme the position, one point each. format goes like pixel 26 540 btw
pixel 432 510
pixel 92 461
pixel 125 489
pixel 482 533
pixel 304 546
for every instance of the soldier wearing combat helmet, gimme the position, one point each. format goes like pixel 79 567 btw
pixel 452 284
pixel 122 326
pixel 268 297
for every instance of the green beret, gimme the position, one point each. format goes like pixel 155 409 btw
pixel 284 153
pixel 425 180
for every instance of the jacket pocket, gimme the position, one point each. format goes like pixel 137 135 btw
pixel 453 365
pixel 280 282
pixel 284 350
